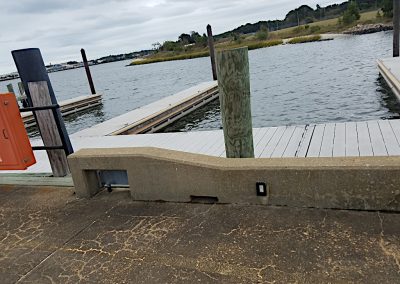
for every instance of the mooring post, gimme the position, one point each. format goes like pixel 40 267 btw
pixel 396 27
pixel 49 131
pixel 212 51
pixel 31 68
pixel 10 88
pixel 234 90
pixel 89 76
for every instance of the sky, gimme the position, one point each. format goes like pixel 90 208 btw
pixel 60 28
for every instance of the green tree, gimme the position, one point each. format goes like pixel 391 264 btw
pixel 263 33
pixel 351 14
pixel 387 8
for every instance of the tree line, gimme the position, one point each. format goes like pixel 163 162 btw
pixel 348 12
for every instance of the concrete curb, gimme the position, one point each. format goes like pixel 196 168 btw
pixel 370 183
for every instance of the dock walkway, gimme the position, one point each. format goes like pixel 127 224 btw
pixel 347 139
pixel 68 107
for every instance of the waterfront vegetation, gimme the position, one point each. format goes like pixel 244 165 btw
pixel 304 39
pixel 310 25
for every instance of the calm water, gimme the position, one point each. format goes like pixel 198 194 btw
pixel 293 84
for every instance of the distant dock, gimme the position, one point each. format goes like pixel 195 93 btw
pixel 389 68
pixel 68 107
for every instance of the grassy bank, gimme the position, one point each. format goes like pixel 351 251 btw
pixel 294 35
pixel 304 39
pixel 162 57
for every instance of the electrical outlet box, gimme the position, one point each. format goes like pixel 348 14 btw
pixel 261 188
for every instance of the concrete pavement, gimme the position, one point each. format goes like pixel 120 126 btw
pixel 48 236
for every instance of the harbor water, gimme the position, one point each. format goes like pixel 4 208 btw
pixel 330 81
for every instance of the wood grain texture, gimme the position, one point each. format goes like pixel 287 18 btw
pixel 41 97
pixel 234 87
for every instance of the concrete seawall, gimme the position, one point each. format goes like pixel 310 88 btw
pixel 371 183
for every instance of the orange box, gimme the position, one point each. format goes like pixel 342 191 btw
pixel 15 148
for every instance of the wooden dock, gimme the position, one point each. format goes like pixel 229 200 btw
pixel 157 115
pixel 68 107
pixel 348 139
pixel 389 68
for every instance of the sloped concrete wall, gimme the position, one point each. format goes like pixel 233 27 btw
pixel 371 183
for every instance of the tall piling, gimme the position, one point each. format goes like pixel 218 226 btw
pixel 31 68
pixel 88 74
pixel 234 87
pixel 396 27
pixel 212 51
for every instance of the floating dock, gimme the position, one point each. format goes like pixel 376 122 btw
pixel 389 68
pixel 347 139
pixel 157 115
pixel 68 107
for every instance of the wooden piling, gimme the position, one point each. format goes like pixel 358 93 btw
pixel 40 96
pixel 234 87
pixel 212 51
pixel 396 27
pixel 88 74
pixel 10 88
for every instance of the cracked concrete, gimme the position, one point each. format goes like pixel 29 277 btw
pixel 48 236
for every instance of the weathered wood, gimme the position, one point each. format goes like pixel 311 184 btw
pixel 10 88
pixel 234 87
pixel 48 128
pixel 396 27
pixel 212 51
pixel 88 74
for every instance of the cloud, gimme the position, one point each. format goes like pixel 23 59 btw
pixel 60 28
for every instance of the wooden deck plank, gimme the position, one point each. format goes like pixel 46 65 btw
pixel 264 142
pixel 294 142
pixel 395 124
pixel 364 140
pixel 270 147
pixel 305 142
pixel 351 140
pixel 339 142
pixel 283 142
pixel 377 142
pixel 327 140
pixel 199 141
pixel 391 143
pixel 316 141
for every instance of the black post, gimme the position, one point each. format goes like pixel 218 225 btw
pixel 212 51
pixel 31 68
pixel 89 76
pixel 396 27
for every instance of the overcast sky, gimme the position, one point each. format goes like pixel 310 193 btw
pixel 61 27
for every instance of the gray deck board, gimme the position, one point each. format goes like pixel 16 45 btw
pixel 305 142
pixel 391 143
pixel 352 140
pixel 339 142
pixel 316 141
pixel 294 142
pixel 370 138
pixel 364 139
pixel 283 142
pixel 270 147
pixel 327 140
pixel 378 144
